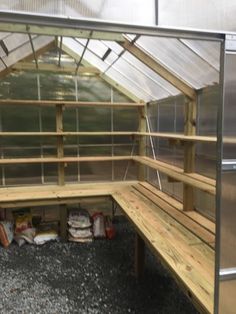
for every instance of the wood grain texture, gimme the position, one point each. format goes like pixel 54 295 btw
pixel 178 174
pixel 190 260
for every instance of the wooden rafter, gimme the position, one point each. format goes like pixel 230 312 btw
pixel 29 66
pixel 159 69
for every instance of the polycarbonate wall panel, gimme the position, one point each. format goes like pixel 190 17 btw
pixel 128 11
pixel 201 14
pixel 166 116
pixel 47 85
pixel 227 213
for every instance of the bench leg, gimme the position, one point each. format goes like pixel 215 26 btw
pixel 139 256
pixel 63 222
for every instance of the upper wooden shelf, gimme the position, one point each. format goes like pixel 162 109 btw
pixel 68 133
pixel 36 160
pixel 196 180
pixel 182 137
pixel 69 103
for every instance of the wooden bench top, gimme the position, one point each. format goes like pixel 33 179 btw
pixel 183 241
pixel 190 260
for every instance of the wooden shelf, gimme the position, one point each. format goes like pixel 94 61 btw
pixel 196 138
pixel 6 134
pixel 69 103
pixel 192 179
pixel 182 137
pixel 8 161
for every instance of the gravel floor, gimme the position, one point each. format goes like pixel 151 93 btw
pixel 86 278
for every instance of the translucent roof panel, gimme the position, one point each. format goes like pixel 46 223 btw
pixel 131 68
pixel 209 51
pixel 25 50
pixel 181 60
pixel 128 11
pixel 91 58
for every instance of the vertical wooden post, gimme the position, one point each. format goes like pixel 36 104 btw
pixel 63 221
pixel 189 151
pixel 60 144
pixel 142 142
pixel 139 256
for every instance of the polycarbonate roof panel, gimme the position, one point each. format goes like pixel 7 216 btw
pixel 131 68
pixel 170 89
pixel 128 11
pixel 180 59
pixel 103 66
pixel 209 51
pixel 25 50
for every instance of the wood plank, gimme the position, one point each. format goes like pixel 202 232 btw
pixel 176 173
pixel 142 142
pixel 184 220
pixel 60 145
pixel 68 134
pixel 70 103
pixel 193 264
pixel 194 215
pixel 6 161
pixel 190 116
pixel 182 137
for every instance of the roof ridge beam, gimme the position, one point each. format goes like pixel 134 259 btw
pixel 158 68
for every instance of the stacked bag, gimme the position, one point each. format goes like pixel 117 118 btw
pixel 80 226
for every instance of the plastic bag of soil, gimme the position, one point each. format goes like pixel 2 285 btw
pixel 6 233
pixel 79 218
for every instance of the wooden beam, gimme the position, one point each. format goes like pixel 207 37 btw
pixel 105 77
pixel 29 66
pixel 142 142
pixel 59 31
pixel 60 144
pixel 139 259
pixel 200 182
pixel 179 137
pixel 9 161
pixel 69 103
pixel 63 221
pixel 189 151
pixel 157 67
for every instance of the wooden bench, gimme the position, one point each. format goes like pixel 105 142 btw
pixel 175 237
pixel 183 241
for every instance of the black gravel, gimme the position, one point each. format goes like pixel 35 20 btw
pixel 86 278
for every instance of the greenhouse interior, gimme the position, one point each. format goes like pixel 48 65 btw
pixel 105 124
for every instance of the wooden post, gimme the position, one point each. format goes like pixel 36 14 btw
pixel 142 142
pixel 63 221
pixel 139 256
pixel 189 151
pixel 60 144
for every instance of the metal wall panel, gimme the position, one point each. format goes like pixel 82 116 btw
pixel 226 208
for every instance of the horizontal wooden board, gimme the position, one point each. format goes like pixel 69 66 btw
pixel 182 137
pixel 7 161
pixel 177 173
pixel 69 103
